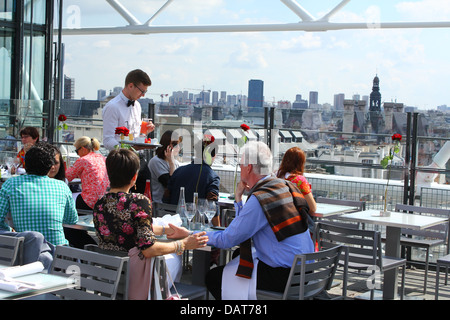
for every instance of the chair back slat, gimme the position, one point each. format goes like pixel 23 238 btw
pixel 98 273
pixel 362 245
pixel 439 231
pixel 11 250
pixel 312 273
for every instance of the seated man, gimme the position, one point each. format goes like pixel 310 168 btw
pixel 37 202
pixel 35 247
pixel 197 176
pixel 274 218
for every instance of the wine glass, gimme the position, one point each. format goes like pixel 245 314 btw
pixel 210 210
pixel 190 212
pixel 202 209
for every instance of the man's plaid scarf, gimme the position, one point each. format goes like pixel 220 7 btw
pixel 286 211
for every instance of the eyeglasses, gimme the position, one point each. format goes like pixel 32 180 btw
pixel 76 150
pixel 143 91
pixel 174 143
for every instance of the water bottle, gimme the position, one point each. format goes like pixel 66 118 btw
pixel 181 208
pixel 197 220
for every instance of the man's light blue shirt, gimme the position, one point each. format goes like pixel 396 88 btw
pixel 250 222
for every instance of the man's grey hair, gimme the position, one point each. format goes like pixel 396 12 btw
pixel 258 154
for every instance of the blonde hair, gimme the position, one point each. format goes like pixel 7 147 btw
pixel 91 144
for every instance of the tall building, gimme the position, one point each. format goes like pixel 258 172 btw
pixel 339 101
pixel 215 98
pixel 313 98
pixel 101 94
pixel 255 95
pixel 69 88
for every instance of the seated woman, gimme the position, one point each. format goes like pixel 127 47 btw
pixel 163 164
pixel 91 169
pixel 291 168
pixel 29 137
pixel 123 221
pixel 57 171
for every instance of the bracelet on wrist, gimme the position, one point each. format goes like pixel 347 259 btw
pixel 179 247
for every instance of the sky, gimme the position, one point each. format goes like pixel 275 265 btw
pixel 413 65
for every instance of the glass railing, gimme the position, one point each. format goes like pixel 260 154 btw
pixel 343 165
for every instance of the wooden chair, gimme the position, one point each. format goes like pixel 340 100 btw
pixel 364 250
pixel 426 238
pixel 11 250
pixel 98 273
pixel 311 276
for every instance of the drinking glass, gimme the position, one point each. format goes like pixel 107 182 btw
pixel 202 210
pixel 190 212
pixel 210 210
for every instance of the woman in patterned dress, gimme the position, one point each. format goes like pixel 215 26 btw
pixel 123 222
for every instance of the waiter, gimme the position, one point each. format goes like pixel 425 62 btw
pixel 125 111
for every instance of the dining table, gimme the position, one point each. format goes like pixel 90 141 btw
pixel 327 210
pixel 40 283
pixel 394 222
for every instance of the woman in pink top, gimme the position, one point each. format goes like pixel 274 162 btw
pixel 91 169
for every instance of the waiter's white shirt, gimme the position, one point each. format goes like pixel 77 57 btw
pixel 117 114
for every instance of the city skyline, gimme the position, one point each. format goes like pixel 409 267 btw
pixel 412 63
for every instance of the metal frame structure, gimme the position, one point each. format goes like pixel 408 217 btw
pixel 308 23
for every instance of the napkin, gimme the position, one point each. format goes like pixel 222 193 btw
pixel 165 220
pixel 18 271
pixel 16 286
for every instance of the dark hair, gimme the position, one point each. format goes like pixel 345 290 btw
pixel 39 160
pixel 121 165
pixel 54 150
pixel 168 138
pixel 137 77
pixel 30 131
pixel 293 161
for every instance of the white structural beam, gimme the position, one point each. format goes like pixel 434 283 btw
pixel 308 23
pixel 149 21
pixel 303 26
pixel 334 11
pixel 298 10
pixel 124 12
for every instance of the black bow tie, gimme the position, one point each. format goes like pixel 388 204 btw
pixel 130 103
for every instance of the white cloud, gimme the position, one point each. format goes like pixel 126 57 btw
pixel 430 10
pixel 247 57
pixel 304 41
pixel 102 44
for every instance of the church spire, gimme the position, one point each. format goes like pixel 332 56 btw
pixel 375 96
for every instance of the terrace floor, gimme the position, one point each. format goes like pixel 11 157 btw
pixel 357 284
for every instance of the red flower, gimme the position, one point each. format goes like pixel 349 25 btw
pixel 62 118
pixel 396 137
pixel 122 130
pixel 245 127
